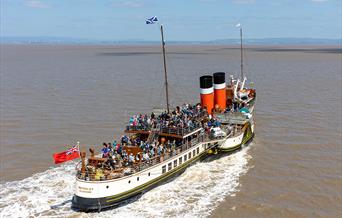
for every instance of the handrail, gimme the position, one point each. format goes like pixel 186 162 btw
pixel 138 128
pixel 78 164
pixel 178 130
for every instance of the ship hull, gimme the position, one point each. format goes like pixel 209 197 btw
pixel 101 195
pixel 98 204
pixel 235 143
pixel 238 146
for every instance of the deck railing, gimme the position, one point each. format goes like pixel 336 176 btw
pixel 91 173
pixel 138 128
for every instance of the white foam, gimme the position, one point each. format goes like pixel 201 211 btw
pixel 196 193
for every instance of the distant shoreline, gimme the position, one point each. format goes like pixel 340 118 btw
pixel 232 42
pixel 154 48
pixel 233 46
pixel 172 44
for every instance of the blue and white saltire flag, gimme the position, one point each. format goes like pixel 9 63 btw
pixel 152 20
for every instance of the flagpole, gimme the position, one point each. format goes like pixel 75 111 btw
pixel 78 146
pixel 165 72
pixel 241 59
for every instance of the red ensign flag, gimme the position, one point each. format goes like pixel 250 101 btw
pixel 70 154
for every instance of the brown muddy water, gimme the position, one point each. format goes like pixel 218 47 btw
pixel 56 95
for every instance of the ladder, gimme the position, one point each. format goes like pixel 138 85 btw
pixel 152 135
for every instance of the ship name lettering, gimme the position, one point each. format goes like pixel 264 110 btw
pixel 85 189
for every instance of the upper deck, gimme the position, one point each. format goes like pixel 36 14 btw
pixel 169 127
pixel 156 139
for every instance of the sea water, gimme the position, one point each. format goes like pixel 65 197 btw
pixel 53 96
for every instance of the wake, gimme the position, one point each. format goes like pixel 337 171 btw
pixel 196 193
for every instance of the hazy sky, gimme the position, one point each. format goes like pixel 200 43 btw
pixel 183 19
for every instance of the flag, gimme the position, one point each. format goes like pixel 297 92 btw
pixel 238 25
pixel 152 20
pixel 67 155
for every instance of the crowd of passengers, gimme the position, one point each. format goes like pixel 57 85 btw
pixel 117 156
pixel 182 117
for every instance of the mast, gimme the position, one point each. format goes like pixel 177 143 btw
pixel 165 72
pixel 241 58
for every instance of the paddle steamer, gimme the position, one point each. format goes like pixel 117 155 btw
pixel 221 122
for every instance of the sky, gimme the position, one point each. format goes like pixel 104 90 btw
pixel 183 20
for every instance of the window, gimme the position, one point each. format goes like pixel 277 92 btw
pixel 180 160
pixel 164 169
pixel 175 163
pixel 169 166
pixel 107 186
pixel 193 153
pixel 198 150
pixel 149 174
pixel 137 178
pixel 190 155
pixel 129 181
pixel 185 157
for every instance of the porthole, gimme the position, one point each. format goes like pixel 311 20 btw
pixel 149 174
pixel 107 186
pixel 129 181
pixel 137 178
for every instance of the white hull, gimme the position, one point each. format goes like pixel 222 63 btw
pixel 232 142
pixel 101 189
pixel 236 141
